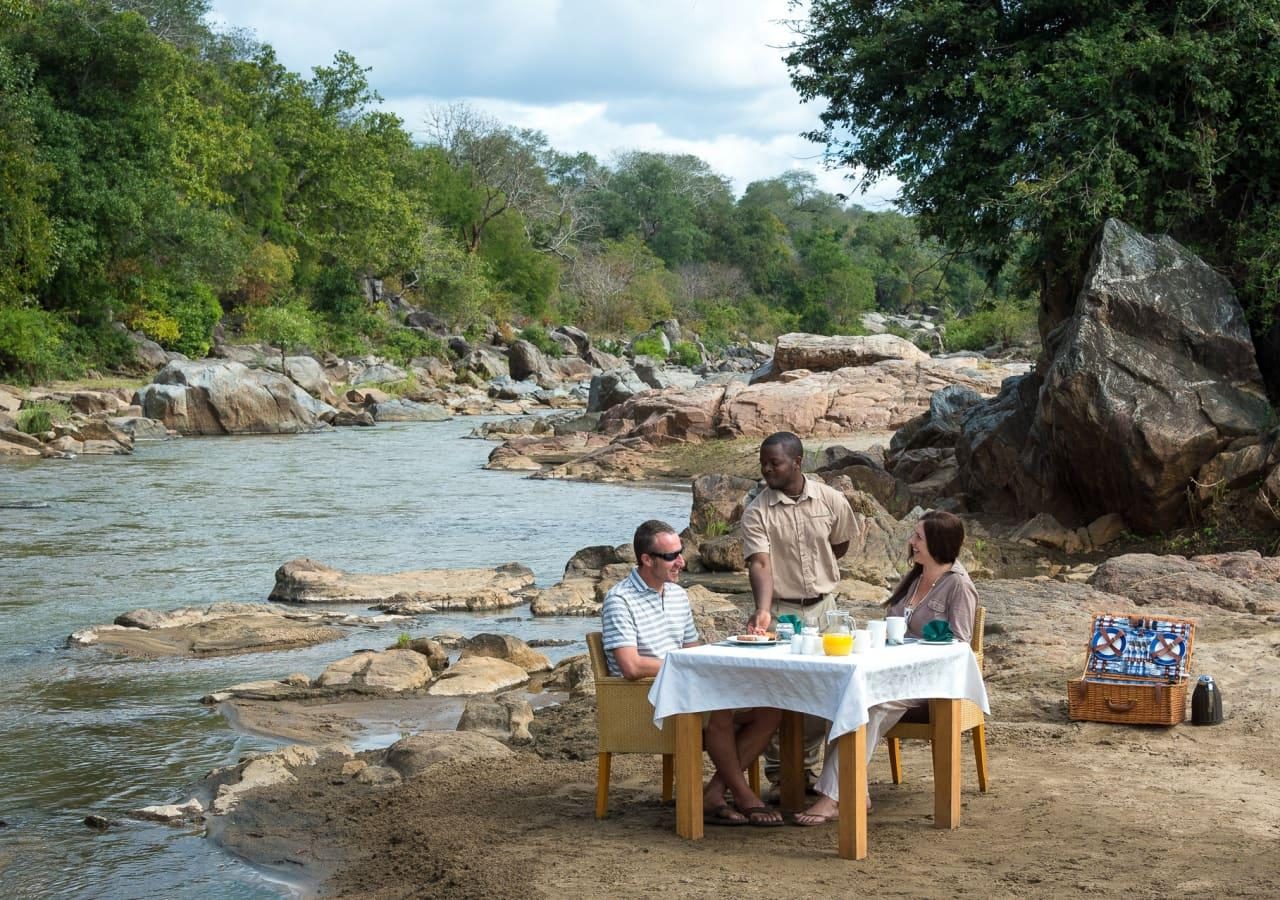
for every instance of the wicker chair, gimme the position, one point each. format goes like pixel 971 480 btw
pixel 971 720
pixel 624 721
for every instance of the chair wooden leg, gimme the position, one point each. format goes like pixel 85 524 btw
pixel 668 776
pixel 980 755
pixel 602 786
pixel 895 759
pixel 753 776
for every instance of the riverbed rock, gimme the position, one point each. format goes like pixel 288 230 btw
pixel 505 647
pixel 436 655
pixel 379 373
pixel 308 581
pixel 140 428
pixel 211 397
pixel 402 410
pixel 172 812
pixel 571 597
pixel 573 676
pixel 417 754
pixel 478 675
pixel 390 670
pixel 267 769
pixel 612 387
pixel 505 718
pixel 216 630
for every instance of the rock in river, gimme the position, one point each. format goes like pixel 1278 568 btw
pixel 408 593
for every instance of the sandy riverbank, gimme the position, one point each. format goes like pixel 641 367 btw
pixel 1073 808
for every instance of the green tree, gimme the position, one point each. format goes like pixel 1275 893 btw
pixel 1022 125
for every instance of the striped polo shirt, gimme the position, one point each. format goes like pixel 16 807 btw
pixel 635 615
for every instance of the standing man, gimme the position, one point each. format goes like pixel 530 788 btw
pixel 793 534
pixel 646 616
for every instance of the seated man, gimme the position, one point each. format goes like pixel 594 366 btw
pixel 647 615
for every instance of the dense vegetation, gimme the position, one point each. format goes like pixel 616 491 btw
pixel 1017 127
pixel 159 174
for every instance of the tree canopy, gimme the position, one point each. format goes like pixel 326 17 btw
pixel 1018 126
pixel 161 174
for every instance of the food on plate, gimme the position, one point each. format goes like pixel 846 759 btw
pixel 756 638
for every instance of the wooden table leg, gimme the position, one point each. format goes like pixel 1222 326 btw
pixel 852 747
pixel 791 759
pixel 945 716
pixel 688 772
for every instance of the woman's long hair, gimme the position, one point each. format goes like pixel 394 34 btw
pixel 943 536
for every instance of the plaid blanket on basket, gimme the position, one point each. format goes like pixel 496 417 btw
pixel 1138 647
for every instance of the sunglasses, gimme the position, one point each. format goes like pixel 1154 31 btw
pixel 669 557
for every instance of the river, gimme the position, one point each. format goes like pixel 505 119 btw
pixel 193 521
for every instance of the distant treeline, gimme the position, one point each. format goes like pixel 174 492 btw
pixel 161 174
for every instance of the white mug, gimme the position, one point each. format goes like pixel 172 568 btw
pixel 896 629
pixel 879 632
pixel 861 641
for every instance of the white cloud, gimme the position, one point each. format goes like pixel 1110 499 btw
pixel 680 76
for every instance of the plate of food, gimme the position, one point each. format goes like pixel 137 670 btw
pixel 755 640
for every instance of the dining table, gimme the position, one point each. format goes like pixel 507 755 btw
pixel 739 674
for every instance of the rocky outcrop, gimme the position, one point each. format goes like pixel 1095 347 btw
pixel 612 387
pixel 407 593
pixel 1244 581
pixel 1152 376
pixel 210 397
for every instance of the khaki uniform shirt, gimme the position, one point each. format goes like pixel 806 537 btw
pixel 797 535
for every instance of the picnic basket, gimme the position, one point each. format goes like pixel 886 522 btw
pixel 1136 671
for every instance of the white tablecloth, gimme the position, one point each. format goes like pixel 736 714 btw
pixel 837 688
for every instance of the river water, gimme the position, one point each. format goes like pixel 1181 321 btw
pixel 193 521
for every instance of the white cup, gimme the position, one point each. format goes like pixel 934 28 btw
pixel 895 629
pixel 879 632
pixel 861 641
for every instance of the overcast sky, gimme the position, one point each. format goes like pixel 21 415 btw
pixel 676 76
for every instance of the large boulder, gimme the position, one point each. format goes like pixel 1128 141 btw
pixel 718 501
pixel 478 675
pixel 505 647
pixel 610 388
pixel 418 753
pixel 211 397
pixel 526 361
pixel 309 375
pixel 826 353
pixel 1152 376
pixel 390 670
pixel 672 415
pixel 505 718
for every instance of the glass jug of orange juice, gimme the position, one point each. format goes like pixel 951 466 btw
pixel 838 638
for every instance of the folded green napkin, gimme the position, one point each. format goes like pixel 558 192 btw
pixel 794 620
pixel 937 630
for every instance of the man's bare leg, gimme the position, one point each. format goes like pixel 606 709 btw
pixel 731 749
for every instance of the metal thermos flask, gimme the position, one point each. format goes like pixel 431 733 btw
pixel 1206 702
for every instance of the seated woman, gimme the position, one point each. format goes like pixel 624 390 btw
pixel 936 587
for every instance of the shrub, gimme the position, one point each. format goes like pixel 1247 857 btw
pixel 537 335
pixel 402 344
pixel 1001 324
pixel 40 416
pixel 197 311
pixel 31 343
pixel 687 354
pixel 649 345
